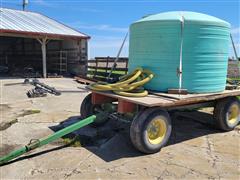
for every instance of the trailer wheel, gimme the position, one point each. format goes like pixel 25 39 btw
pixel 227 113
pixel 150 130
pixel 87 109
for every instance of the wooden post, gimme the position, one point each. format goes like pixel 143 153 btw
pixel 44 58
pixel 95 73
pixel 43 43
pixel 107 64
pixel 126 71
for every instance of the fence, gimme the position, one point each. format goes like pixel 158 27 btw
pixel 100 67
pixel 233 69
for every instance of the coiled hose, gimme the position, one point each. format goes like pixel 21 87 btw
pixel 130 85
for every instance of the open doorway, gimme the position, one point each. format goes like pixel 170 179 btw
pixel 23 57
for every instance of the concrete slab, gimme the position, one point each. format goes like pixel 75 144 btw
pixel 195 151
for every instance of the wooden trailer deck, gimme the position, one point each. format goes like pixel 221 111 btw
pixel 172 100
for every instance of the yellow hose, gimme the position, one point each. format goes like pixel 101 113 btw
pixel 129 85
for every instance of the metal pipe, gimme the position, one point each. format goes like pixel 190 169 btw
pixel 41 142
pixel 234 48
pixel 116 60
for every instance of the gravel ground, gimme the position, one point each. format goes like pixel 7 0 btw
pixel 195 151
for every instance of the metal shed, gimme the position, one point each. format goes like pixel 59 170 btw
pixel 23 33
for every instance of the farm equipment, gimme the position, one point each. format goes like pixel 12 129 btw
pixel 35 143
pixel 149 114
pixel 40 89
pixel 151 123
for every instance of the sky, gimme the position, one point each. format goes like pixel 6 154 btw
pixel 107 21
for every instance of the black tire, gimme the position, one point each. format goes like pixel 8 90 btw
pixel 87 109
pixel 139 130
pixel 223 110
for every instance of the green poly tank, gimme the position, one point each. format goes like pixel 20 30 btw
pixel 155 44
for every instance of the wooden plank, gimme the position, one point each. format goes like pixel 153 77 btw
pixel 104 64
pixel 105 60
pixel 178 91
pixel 104 74
pixel 99 78
pixel 100 67
pixel 108 68
pixel 164 101
pixel 149 101
pixel 84 80
pixel 177 96
pixel 112 58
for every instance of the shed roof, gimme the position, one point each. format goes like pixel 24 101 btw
pixel 35 24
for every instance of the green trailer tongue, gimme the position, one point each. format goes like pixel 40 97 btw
pixel 41 142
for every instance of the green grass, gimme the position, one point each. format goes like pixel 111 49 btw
pixel 73 142
pixel 108 71
pixel 91 72
pixel 234 79
pixel 29 112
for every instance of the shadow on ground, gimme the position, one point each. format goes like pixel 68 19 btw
pixel 111 141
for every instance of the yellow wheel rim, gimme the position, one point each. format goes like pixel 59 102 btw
pixel 156 131
pixel 233 114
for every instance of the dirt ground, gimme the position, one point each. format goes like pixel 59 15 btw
pixel 195 151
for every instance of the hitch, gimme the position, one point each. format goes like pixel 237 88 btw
pixel 36 143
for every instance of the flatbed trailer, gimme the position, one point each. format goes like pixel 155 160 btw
pixel 151 124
